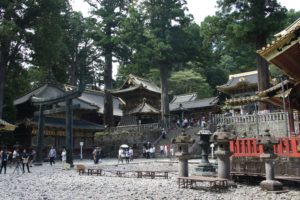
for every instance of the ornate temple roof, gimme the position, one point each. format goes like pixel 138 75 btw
pixel 90 99
pixel 195 103
pixel 239 81
pixel 184 98
pixel 96 98
pixel 134 82
pixel 144 108
pixel 283 51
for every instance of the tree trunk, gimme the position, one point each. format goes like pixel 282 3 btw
pixel 4 54
pixel 262 69
pixel 165 111
pixel 108 104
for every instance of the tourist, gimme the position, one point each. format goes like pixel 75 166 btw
pixel 52 155
pixel 163 133
pixel 63 157
pixel 130 154
pixel 172 151
pixel 185 123
pixel 148 153
pixel 120 155
pixel 95 155
pixel 152 152
pixel 25 160
pixel 166 150
pixel 4 157
pixel 161 150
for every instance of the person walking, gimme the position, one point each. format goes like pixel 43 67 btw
pixel 25 160
pixel 52 155
pixel 63 157
pixel 4 158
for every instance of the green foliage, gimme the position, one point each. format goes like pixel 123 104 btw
pixel 183 82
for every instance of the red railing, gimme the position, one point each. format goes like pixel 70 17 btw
pixel 248 147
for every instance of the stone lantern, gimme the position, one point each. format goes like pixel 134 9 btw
pixel 221 138
pixel 182 141
pixel 205 168
pixel 268 157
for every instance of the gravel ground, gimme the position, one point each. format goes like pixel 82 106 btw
pixel 46 182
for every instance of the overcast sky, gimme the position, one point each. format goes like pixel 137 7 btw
pixel 199 8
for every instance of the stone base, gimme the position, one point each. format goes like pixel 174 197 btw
pixel 271 185
pixel 205 169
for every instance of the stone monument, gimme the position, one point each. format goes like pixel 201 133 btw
pixel 221 138
pixel 205 168
pixel 182 141
pixel 268 157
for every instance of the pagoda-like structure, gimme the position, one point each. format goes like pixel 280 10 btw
pixel 142 101
pixel 241 88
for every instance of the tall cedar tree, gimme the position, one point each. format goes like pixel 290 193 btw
pixel 253 21
pixel 165 21
pixel 15 18
pixel 47 39
pixel 109 13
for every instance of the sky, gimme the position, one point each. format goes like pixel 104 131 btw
pixel 198 8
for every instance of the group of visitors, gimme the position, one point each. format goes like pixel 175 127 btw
pixel 125 154
pixel 188 122
pixel 16 158
pixel 167 150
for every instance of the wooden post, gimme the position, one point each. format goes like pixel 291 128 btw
pixel 40 137
pixel 69 132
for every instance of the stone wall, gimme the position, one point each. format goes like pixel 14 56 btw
pixel 277 123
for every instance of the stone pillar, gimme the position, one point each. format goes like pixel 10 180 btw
pixel 183 167
pixel 268 157
pixel 69 132
pixel 40 138
pixel 221 138
pixel 183 154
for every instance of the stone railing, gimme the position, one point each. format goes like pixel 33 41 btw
pixel 140 127
pixel 255 124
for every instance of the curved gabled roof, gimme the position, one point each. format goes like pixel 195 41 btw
pixel 134 82
pixel 144 108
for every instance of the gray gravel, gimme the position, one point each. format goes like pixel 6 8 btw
pixel 47 182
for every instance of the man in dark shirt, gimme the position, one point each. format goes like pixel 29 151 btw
pixel 4 158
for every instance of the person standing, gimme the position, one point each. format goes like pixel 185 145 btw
pixel 52 155
pixel 161 150
pixel 63 157
pixel 25 160
pixel 130 154
pixel 4 158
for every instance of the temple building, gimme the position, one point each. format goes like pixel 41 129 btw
pixel 189 106
pixel 284 53
pixel 87 116
pixel 241 89
pixel 141 101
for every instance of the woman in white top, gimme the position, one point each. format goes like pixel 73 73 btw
pixel 63 157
